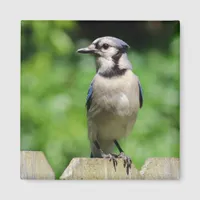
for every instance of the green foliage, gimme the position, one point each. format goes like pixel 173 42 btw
pixel 54 84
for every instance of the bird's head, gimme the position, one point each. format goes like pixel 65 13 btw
pixel 110 53
pixel 106 47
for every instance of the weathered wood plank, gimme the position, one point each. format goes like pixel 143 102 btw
pixel 97 169
pixel 161 169
pixel 34 165
pixel 101 169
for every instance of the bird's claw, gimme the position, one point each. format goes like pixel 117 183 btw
pixel 111 158
pixel 127 161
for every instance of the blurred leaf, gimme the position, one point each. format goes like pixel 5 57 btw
pixel 62 42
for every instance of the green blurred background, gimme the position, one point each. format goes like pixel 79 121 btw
pixel 55 80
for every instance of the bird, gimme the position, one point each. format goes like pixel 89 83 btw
pixel 113 99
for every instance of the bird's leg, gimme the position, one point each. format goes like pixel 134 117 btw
pixel 108 156
pixel 127 160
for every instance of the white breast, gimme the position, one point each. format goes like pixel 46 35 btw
pixel 123 104
pixel 118 95
pixel 114 107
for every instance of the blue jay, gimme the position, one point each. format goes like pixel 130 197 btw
pixel 113 100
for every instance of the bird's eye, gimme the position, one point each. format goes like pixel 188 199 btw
pixel 105 46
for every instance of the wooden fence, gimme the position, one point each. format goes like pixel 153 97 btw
pixel 34 165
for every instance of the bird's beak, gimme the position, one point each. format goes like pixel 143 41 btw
pixel 90 49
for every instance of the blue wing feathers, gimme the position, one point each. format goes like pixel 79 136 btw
pixel 140 94
pixel 89 97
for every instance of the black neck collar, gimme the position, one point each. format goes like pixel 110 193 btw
pixel 115 70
